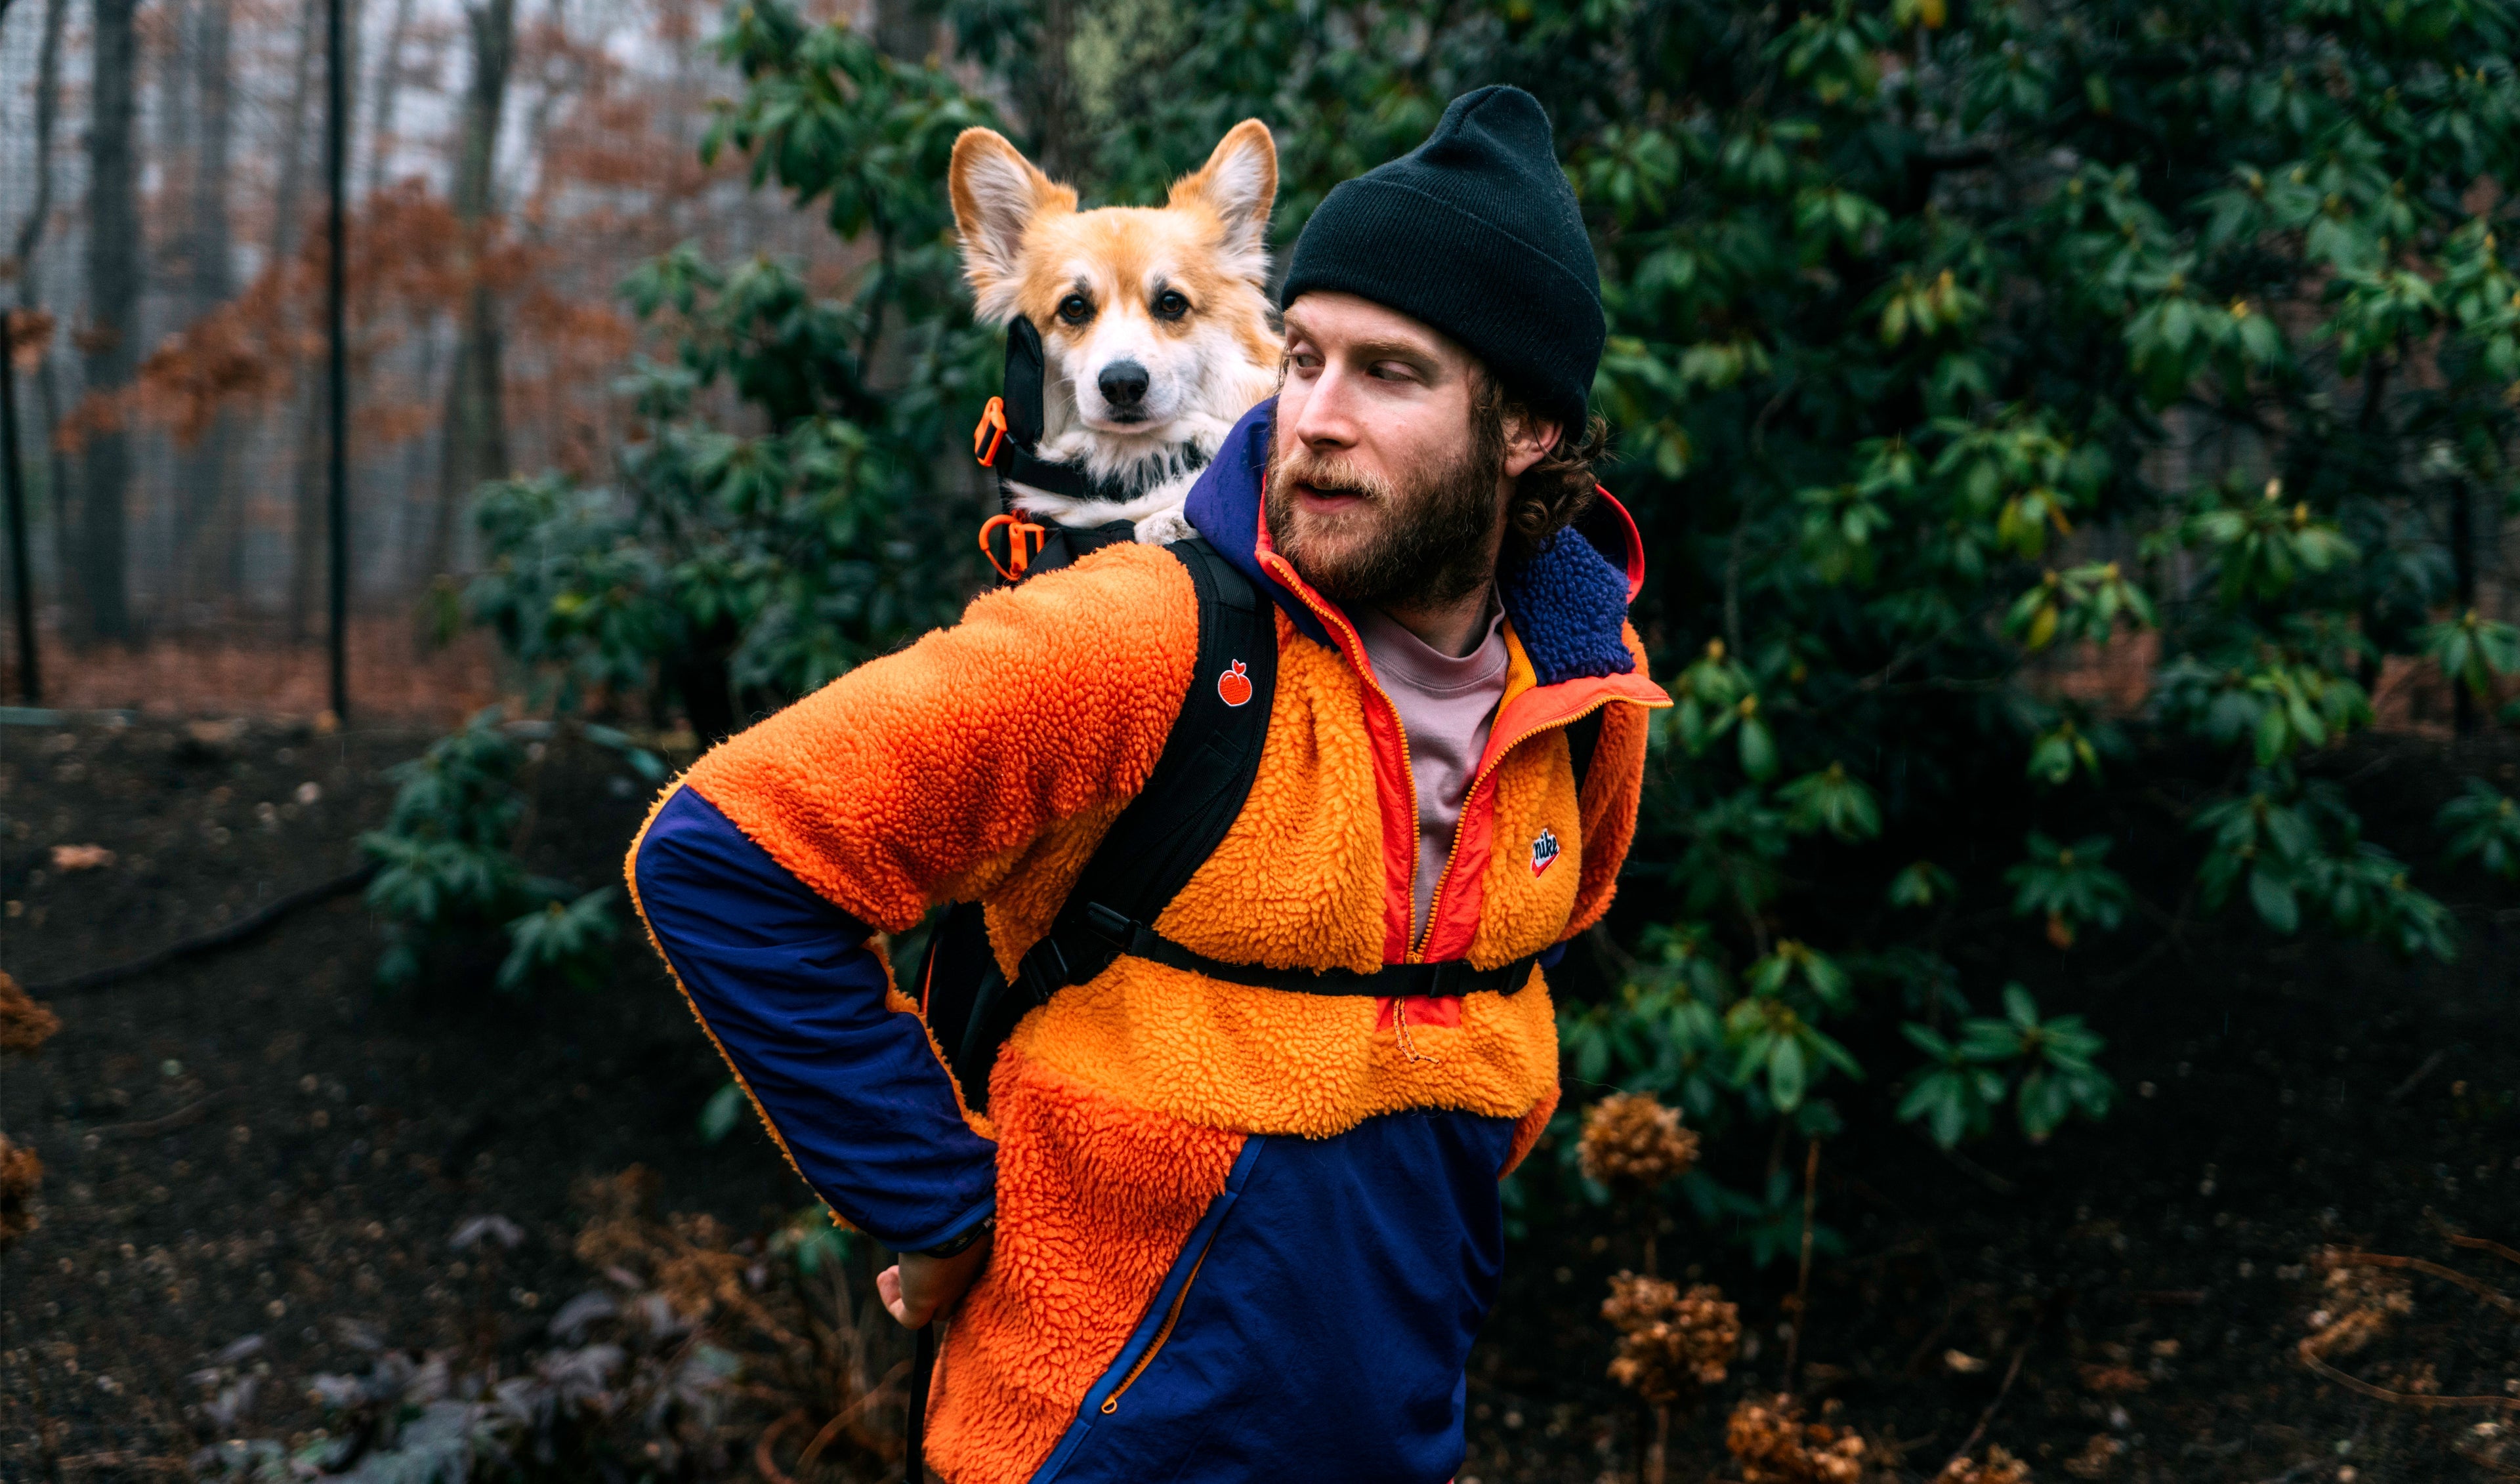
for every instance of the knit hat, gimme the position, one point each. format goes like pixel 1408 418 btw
pixel 1476 233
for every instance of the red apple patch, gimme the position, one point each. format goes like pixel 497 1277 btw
pixel 1234 687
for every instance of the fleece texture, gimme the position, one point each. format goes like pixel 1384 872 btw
pixel 1179 1168
pixel 1095 1200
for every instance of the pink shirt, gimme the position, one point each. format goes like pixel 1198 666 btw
pixel 1446 706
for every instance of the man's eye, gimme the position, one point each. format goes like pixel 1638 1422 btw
pixel 1171 306
pixel 1076 309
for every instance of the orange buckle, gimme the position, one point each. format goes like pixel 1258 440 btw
pixel 1019 531
pixel 993 428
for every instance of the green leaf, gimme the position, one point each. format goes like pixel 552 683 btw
pixel 1788 1073
pixel 720 1115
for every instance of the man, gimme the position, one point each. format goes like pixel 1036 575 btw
pixel 1208 1230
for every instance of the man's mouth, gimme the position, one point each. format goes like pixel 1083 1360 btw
pixel 1328 496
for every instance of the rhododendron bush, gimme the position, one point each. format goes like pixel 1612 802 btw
pixel 2018 404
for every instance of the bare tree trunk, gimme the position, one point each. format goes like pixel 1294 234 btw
pixel 476 434
pixel 906 29
pixel 114 274
pixel 206 544
pixel 381 131
pixel 30 233
pixel 289 200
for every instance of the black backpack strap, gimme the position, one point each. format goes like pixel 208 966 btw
pixel 1440 979
pixel 1193 796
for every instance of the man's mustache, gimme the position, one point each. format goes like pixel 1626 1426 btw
pixel 1333 475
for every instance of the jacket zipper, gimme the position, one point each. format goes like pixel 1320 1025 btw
pixel 1338 624
pixel 1476 783
pixel 1172 1316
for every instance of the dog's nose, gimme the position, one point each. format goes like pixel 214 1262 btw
pixel 1123 383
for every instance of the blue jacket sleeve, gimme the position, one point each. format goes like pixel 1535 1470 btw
pixel 784 983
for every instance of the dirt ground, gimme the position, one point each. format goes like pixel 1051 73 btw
pixel 259 1142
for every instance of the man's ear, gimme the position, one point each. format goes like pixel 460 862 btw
pixel 1527 441
pixel 1238 183
pixel 996 193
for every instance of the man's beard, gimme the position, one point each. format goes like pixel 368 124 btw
pixel 1422 544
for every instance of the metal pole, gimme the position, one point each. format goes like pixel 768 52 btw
pixel 337 160
pixel 29 684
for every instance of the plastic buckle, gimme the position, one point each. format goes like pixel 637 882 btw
pixel 1020 532
pixel 992 427
pixel 1116 928
pixel 1044 969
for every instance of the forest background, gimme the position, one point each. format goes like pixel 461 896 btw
pixel 2060 434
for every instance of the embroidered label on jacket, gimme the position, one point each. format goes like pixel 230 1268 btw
pixel 1544 850
pixel 1234 687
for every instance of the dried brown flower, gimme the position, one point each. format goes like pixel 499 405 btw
pixel 1631 1141
pixel 24 1025
pixel 1999 1467
pixel 2098 1452
pixel 2359 1304
pixel 1774 1445
pixel 1670 1343
pixel 22 1174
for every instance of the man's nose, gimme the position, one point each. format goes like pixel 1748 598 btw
pixel 1325 420
pixel 1123 383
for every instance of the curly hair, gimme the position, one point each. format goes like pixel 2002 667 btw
pixel 1552 494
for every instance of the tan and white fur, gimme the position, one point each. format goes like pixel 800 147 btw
pixel 1154 321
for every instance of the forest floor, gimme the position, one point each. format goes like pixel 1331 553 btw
pixel 259 1142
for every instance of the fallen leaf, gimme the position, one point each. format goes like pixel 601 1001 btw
pixel 1962 1361
pixel 80 857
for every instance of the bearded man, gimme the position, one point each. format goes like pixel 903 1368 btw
pixel 1225 1226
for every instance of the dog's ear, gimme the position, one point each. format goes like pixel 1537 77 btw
pixel 996 193
pixel 1238 183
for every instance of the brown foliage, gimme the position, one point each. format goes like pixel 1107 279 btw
pixel 1774 1445
pixel 22 1174
pixel 1631 1141
pixel 29 332
pixel 24 1025
pixel 409 261
pixel 1670 1342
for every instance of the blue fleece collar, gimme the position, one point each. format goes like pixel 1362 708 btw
pixel 1568 604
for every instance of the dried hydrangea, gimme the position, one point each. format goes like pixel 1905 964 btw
pixel 1774 1445
pixel 24 1025
pixel 1670 1343
pixel 1631 1141
pixel 2358 1305
pixel 1999 1467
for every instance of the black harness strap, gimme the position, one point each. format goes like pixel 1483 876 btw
pixel 1189 800
pixel 1448 978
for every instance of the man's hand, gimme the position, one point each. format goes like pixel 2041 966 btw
pixel 918 1288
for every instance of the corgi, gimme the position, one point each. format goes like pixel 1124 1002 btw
pixel 1157 330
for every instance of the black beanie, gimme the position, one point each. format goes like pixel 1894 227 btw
pixel 1476 233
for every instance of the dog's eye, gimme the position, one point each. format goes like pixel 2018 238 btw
pixel 1171 306
pixel 1076 309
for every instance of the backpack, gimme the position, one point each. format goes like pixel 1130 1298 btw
pixel 1199 785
